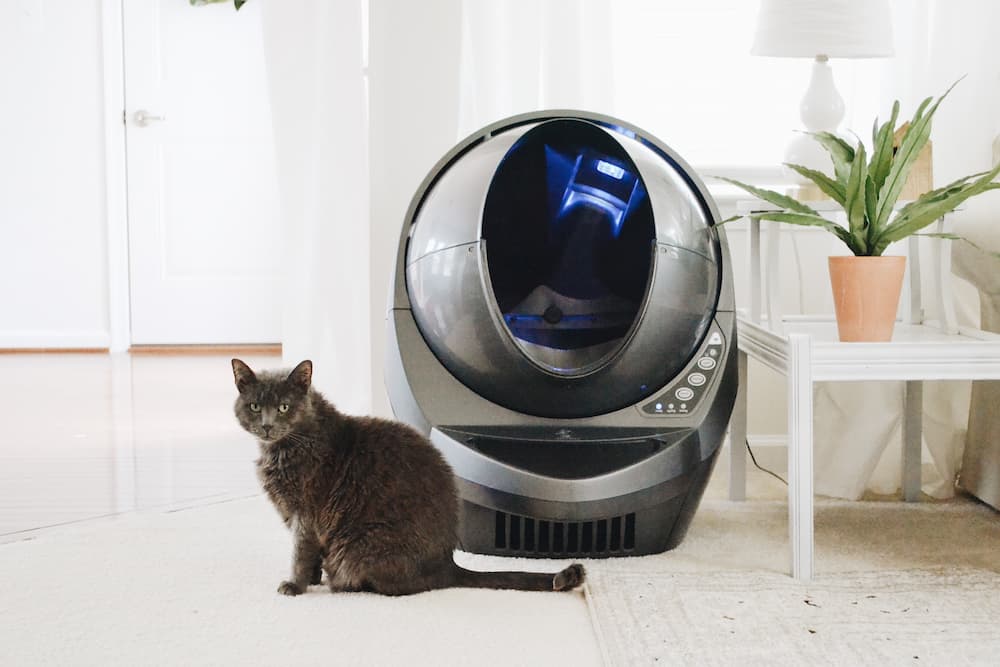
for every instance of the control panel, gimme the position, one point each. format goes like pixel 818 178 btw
pixel 681 397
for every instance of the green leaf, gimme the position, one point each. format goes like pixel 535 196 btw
pixel 882 151
pixel 841 152
pixel 909 149
pixel 239 3
pixel 830 187
pixel 936 195
pixel 925 211
pixel 923 105
pixel 871 207
pixel 776 198
pixel 854 199
pixel 732 218
pixel 930 201
pixel 932 197
pixel 943 235
pixel 809 220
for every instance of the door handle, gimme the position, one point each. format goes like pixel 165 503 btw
pixel 142 118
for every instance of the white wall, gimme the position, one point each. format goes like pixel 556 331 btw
pixel 53 266
pixel 963 43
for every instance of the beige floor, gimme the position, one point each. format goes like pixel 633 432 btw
pixel 91 435
pixel 88 436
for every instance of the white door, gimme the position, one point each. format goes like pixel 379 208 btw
pixel 204 250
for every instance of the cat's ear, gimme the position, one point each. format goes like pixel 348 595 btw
pixel 243 375
pixel 301 375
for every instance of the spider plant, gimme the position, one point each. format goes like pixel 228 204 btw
pixel 867 189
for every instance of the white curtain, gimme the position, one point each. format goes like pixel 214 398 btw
pixel 521 55
pixel 315 72
pixel 413 79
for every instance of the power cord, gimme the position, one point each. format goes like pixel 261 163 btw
pixel 769 472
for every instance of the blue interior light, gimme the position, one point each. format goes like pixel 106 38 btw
pixel 612 170
pixel 597 182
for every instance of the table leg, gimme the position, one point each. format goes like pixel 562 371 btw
pixel 911 299
pixel 754 252
pixel 941 254
pixel 913 411
pixel 738 435
pixel 772 299
pixel 800 455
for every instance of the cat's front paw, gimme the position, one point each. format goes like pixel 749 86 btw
pixel 290 588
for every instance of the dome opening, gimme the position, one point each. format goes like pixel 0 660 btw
pixel 570 238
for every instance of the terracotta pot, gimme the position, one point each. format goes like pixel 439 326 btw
pixel 866 295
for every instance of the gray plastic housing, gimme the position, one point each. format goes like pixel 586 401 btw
pixel 611 444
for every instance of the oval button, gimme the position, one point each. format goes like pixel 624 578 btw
pixel 696 379
pixel 684 393
pixel 706 363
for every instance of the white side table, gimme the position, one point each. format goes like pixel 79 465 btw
pixel 807 350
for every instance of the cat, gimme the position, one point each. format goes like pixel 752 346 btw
pixel 370 502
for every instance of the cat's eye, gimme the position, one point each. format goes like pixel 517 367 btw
pixel 254 407
pixel 283 408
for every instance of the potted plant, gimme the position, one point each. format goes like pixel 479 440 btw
pixel 867 285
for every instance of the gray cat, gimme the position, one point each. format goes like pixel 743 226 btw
pixel 369 501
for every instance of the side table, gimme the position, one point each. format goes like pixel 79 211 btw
pixel 807 349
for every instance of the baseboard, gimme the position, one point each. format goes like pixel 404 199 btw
pixel 28 340
pixel 233 350
pixel 54 350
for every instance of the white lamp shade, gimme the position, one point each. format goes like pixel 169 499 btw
pixel 832 28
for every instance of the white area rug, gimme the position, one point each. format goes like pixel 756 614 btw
pixel 197 587
pixel 898 584
pixel 730 618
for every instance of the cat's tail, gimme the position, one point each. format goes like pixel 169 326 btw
pixel 564 580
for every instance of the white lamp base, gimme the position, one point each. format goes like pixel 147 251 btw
pixel 806 151
pixel 821 110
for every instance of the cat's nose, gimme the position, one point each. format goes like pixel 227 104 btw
pixel 267 428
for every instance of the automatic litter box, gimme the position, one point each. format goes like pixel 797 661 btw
pixel 562 328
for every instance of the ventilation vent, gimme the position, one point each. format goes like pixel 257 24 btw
pixel 590 538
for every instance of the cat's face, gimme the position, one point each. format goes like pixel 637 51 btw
pixel 271 403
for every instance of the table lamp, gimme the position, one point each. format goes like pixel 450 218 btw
pixel 821 29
